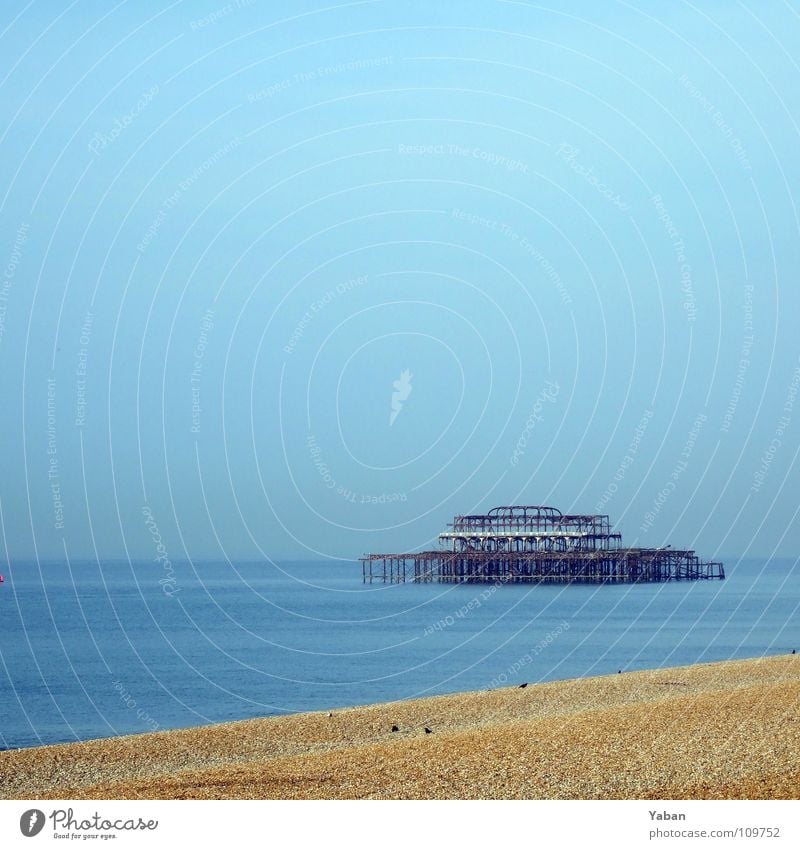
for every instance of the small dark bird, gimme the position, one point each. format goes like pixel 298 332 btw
pixel 329 713
pixel 619 672
pixel 428 731
pixel 793 651
pixel 523 686
pixel 395 728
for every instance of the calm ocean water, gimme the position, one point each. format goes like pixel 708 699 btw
pixel 94 650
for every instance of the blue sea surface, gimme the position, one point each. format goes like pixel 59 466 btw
pixel 90 650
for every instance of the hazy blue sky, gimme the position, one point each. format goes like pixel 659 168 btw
pixel 227 231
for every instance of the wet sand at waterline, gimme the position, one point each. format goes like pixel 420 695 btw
pixel 719 730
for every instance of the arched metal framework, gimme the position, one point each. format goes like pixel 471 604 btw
pixel 538 544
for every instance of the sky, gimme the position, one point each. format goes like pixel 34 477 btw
pixel 306 280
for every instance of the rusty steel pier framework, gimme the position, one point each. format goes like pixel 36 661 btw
pixel 539 545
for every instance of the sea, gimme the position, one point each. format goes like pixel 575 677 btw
pixel 98 649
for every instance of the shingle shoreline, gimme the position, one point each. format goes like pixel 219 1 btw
pixel 720 730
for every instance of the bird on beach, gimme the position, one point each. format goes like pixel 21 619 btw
pixel 793 651
pixel 329 713
pixel 395 728
pixel 428 730
pixel 523 686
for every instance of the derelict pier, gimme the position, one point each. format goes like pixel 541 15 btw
pixel 537 545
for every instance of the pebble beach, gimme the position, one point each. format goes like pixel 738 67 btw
pixel 726 730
